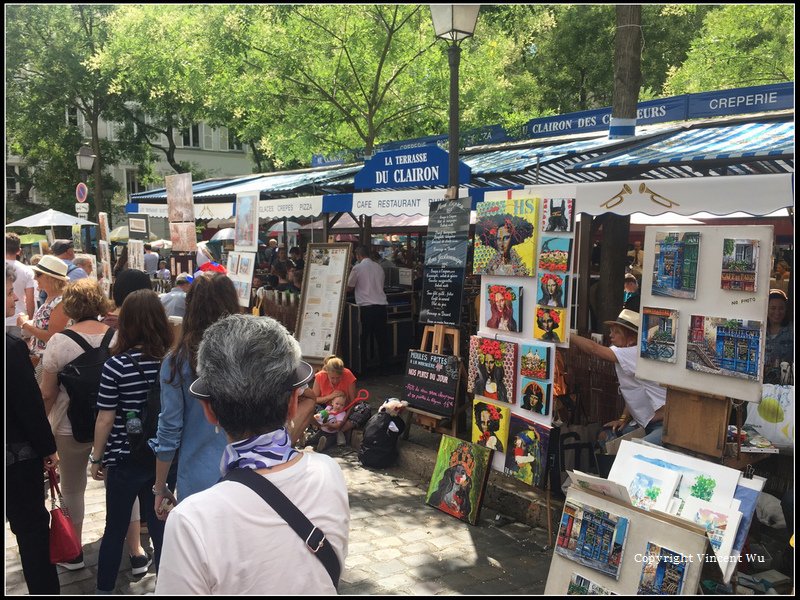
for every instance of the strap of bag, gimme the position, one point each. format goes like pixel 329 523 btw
pixel 138 366
pixel 78 339
pixel 55 490
pixel 312 535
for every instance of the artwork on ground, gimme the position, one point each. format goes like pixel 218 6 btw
pixel 552 290
pixel 550 324
pixel 535 396
pixel 459 478
pixel 722 346
pixel 580 586
pixel 652 488
pixel 659 328
pixel 492 369
pixel 557 214
pixel 504 307
pixel 526 458
pixel 555 253
pixel 739 264
pixel 675 264
pixel 663 571
pixel 535 361
pixel 505 237
pixel 720 523
pixel 592 537
pixel 490 424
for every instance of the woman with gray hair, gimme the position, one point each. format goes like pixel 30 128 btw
pixel 251 376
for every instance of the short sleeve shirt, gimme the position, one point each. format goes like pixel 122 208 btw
pixel 367 279
pixel 643 398
pixel 24 280
pixel 325 386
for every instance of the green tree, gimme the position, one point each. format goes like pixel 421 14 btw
pixel 653 493
pixel 703 487
pixel 740 45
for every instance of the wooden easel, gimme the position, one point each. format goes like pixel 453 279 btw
pixel 433 339
pixel 696 421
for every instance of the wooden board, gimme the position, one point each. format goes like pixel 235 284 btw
pixel 696 421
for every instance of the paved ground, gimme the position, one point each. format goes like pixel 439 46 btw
pixel 398 545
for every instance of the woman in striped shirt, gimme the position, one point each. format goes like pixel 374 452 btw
pixel 144 334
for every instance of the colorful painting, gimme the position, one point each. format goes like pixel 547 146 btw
pixel 722 346
pixel 535 396
pixel 592 537
pixel 550 324
pixel 183 236
pixel 526 459
pixel 505 237
pixel 659 329
pixel 652 488
pixel 535 361
pixel 739 265
pixel 492 369
pixel 490 424
pixel 246 230
pixel 459 478
pixel 557 214
pixel 675 264
pixel 580 586
pixel 663 571
pixel 555 254
pixel 720 523
pixel 552 290
pixel 504 307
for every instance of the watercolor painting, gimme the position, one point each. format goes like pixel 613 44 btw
pixel 599 485
pixel 490 424
pixel 535 396
pixel 459 478
pixel 659 329
pixel 592 537
pixel 552 290
pixel 179 198
pixel 535 361
pixel 663 571
pixel 526 459
pixel 557 214
pixel 722 346
pixel 183 236
pixel 739 264
pixel 505 237
pixel 652 488
pixel 492 369
pixel 720 523
pixel 504 307
pixel 550 324
pixel 675 264
pixel 555 254
pixel 580 586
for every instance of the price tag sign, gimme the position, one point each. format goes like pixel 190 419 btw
pixel 81 192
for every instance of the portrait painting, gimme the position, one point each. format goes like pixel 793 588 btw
pixel 535 361
pixel 246 231
pixel 183 236
pixel 555 254
pixel 504 307
pixel 675 264
pixel 245 266
pixel 505 237
pixel 490 424
pixel 179 198
pixel 526 458
pixel 492 369
pixel 550 324
pixel 534 396
pixel 552 290
pixel 557 214
pixel 459 478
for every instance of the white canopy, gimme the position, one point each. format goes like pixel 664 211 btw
pixel 50 218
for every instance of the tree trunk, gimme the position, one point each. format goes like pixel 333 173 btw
pixel 627 61
pixel 99 201
pixel 613 258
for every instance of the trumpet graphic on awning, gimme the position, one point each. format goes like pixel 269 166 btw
pixel 655 197
pixel 615 200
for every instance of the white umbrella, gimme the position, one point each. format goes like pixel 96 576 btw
pixel 50 218
pixel 223 235
pixel 161 245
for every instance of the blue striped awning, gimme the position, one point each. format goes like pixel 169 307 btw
pixel 751 141
pixel 521 159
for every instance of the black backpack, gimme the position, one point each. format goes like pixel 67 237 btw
pixel 379 446
pixel 81 379
pixel 140 450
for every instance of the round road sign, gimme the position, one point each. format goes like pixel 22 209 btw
pixel 81 191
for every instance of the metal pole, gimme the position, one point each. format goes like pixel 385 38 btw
pixel 454 58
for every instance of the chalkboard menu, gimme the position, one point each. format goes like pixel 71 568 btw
pixel 431 382
pixel 445 262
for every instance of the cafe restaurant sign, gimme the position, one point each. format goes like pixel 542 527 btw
pixel 412 167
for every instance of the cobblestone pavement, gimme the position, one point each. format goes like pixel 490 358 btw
pixel 398 545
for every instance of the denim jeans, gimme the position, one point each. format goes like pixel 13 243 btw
pixel 123 483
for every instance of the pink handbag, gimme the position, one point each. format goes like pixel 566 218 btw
pixel 64 542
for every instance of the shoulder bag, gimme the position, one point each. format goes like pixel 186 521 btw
pixel 64 543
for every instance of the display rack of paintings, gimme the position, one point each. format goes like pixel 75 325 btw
pixel 240 270
pixel 526 456
pixel 492 369
pixel 505 237
pixel 505 307
pixel 662 571
pixel 490 425
pixel 659 330
pixel 459 478
pixel 724 346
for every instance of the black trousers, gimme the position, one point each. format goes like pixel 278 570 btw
pixel 30 522
pixel 373 326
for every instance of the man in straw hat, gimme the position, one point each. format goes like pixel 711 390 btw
pixel 644 400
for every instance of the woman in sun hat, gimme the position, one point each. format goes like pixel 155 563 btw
pixel 49 318
pixel 644 400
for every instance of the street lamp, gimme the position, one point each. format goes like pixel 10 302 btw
pixel 454 23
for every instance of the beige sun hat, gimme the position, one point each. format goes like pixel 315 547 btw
pixel 627 319
pixel 52 266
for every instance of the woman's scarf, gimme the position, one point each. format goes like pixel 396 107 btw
pixel 258 452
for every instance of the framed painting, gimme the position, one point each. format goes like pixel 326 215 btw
pixel 505 307
pixel 555 254
pixel 505 237
pixel 136 254
pixel 459 479
pixel 492 369
pixel 490 424
pixel 138 226
pixel 179 198
pixel 557 214
pixel 526 459
pixel 580 586
pixel 552 290
pixel 246 232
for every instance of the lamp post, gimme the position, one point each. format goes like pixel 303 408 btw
pixel 454 23
pixel 85 160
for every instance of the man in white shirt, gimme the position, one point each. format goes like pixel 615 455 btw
pixel 366 280
pixel 175 301
pixel 24 285
pixel 150 261
pixel 65 251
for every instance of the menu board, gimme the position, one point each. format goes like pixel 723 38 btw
pixel 322 299
pixel 445 262
pixel 431 382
